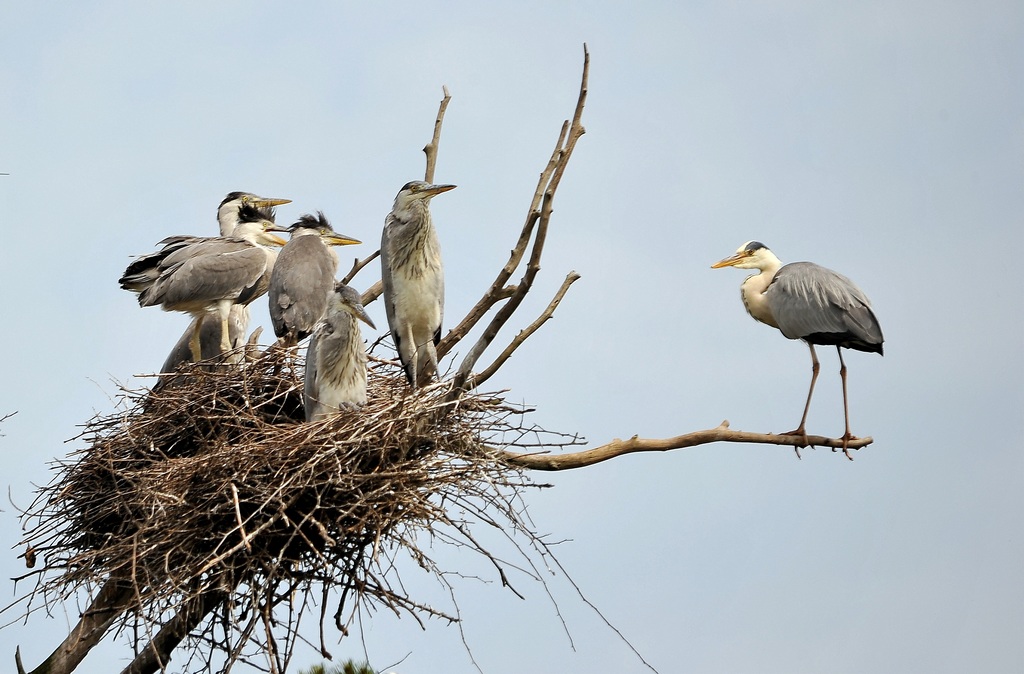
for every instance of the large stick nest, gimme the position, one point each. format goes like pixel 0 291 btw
pixel 213 483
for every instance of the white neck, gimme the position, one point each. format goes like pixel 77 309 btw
pixel 752 290
pixel 227 217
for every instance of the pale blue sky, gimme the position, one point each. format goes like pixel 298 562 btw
pixel 884 140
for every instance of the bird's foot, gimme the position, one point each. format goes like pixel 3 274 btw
pixel 801 433
pixel 846 439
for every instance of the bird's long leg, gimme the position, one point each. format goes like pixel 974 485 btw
pixel 431 360
pixel 406 347
pixel 815 367
pixel 225 336
pixel 194 344
pixel 847 436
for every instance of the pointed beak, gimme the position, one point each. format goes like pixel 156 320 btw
pixel 270 239
pixel 433 190
pixel 729 261
pixel 361 314
pixel 267 203
pixel 340 240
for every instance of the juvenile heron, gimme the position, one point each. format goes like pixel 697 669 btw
pixel 336 358
pixel 303 277
pixel 413 279
pixel 809 302
pixel 207 275
pixel 238 321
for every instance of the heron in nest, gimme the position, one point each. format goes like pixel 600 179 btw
pixel 335 376
pixel 809 302
pixel 238 321
pixel 303 277
pixel 203 276
pixel 412 275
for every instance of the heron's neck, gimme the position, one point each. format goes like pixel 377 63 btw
pixel 415 244
pixel 247 231
pixel 413 211
pixel 752 292
pixel 341 364
pixel 227 218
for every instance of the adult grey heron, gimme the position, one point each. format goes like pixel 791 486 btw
pixel 335 374
pixel 412 275
pixel 238 321
pixel 809 302
pixel 208 275
pixel 303 277
pixel 227 212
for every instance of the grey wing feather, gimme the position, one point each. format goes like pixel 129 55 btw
pixel 809 300
pixel 302 278
pixel 217 272
pixel 440 322
pixel 385 278
pixel 145 269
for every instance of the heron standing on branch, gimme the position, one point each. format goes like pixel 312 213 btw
pixel 809 302
pixel 238 321
pixel 201 276
pixel 303 277
pixel 412 276
pixel 336 358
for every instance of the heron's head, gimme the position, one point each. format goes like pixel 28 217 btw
pixel 254 226
pixel 751 255
pixel 347 298
pixel 227 212
pixel 420 191
pixel 319 226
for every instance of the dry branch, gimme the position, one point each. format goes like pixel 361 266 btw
pixel 617 447
pixel 485 374
pixel 430 149
pixel 537 225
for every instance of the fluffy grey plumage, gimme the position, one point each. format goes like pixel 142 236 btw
pixel 303 277
pixel 335 375
pixel 412 276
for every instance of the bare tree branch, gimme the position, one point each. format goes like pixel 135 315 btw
pixel 636 444
pixel 498 289
pixel 357 266
pixel 570 134
pixel 157 653
pixel 108 605
pixel 373 292
pixel 524 334
pixel 430 149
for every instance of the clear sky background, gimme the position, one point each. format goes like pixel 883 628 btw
pixel 884 140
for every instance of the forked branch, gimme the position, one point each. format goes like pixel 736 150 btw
pixel 536 225
pixel 485 374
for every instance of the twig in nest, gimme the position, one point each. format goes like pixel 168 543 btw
pixel 191 490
